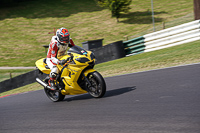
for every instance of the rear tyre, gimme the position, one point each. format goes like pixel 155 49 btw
pixel 97 88
pixel 55 96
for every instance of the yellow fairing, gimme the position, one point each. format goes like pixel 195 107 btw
pixel 41 66
pixel 89 71
pixel 71 72
pixel 71 82
pixel 69 90
pixel 70 76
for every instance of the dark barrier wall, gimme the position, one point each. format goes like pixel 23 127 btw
pixel 20 80
pixel 109 52
pixel 92 44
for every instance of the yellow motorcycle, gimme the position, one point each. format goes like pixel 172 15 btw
pixel 77 76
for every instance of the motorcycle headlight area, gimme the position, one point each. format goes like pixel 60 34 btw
pixel 82 60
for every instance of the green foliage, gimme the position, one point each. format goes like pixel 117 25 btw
pixel 116 6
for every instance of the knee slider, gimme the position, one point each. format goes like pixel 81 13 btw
pixel 53 75
pixel 54 72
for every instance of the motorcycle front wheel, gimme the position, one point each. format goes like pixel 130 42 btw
pixel 55 96
pixel 97 86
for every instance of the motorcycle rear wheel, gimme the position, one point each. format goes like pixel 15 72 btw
pixel 54 96
pixel 98 85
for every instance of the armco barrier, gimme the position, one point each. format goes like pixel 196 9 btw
pixel 20 81
pixel 173 36
pixel 134 46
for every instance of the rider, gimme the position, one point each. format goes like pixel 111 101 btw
pixel 57 47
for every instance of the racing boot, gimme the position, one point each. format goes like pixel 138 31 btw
pixel 53 74
pixel 52 84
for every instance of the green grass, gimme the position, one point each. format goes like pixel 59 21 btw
pixel 24 29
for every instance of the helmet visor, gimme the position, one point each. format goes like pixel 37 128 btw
pixel 64 40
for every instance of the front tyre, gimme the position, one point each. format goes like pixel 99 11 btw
pixel 55 96
pixel 97 86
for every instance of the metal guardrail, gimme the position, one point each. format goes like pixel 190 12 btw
pixel 173 36
pixel 134 46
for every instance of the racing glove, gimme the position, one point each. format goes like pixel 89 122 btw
pixel 68 59
pixel 62 62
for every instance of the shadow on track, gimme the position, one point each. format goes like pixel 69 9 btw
pixel 109 93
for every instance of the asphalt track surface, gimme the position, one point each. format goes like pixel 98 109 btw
pixel 158 101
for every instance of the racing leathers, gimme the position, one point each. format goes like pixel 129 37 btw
pixel 56 49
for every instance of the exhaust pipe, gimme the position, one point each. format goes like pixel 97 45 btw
pixel 45 85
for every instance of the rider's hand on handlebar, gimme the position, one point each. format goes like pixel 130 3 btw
pixel 68 59
pixel 62 62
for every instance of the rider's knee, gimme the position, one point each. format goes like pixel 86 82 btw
pixel 54 72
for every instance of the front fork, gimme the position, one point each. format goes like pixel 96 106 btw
pixel 86 79
pixel 85 74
